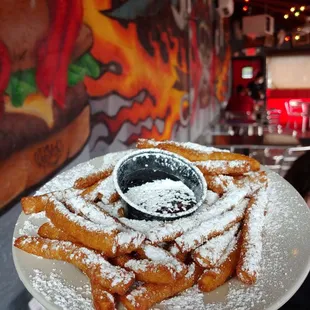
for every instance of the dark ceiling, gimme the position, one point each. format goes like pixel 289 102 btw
pixel 275 8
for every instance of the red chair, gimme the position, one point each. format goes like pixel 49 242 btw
pixel 294 109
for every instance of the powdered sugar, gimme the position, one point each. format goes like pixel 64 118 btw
pixel 201 148
pixel 116 209
pixel 188 145
pixel 220 166
pixel 211 252
pixel 32 224
pixel 107 224
pixel 59 292
pixel 162 196
pixel 253 234
pixel 67 179
pixel 105 189
pixel 200 234
pixel 157 254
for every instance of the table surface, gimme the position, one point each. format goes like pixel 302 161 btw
pixel 13 295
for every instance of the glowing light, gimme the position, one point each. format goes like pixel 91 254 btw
pixel 286 16
pixel 302 8
pixel 287 38
pixel 245 8
pixel 293 9
pixel 297 14
pixel 246 0
pixel 297 37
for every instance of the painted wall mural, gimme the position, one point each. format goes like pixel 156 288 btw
pixel 144 55
pixel 95 75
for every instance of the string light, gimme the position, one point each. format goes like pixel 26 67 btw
pixel 297 14
pixel 245 8
pixel 297 37
pixel 302 8
pixel 286 16
pixel 293 9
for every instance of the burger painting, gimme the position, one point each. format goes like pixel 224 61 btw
pixel 44 111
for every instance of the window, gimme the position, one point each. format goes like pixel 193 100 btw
pixel 247 73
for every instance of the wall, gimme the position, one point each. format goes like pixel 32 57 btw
pixel 95 75
pixel 288 72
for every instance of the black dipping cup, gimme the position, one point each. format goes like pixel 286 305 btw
pixel 148 165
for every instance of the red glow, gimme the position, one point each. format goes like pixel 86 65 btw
pixel 287 38
pixel 246 0
pixel 245 8
pixel 250 51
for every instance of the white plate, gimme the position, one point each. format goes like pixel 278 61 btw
pixel 286 263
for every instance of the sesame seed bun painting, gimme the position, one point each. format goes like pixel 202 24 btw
pixel 100 73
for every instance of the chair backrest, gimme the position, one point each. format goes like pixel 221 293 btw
pixel 294 107
pixel 290 155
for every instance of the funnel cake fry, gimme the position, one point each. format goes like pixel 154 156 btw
pixel 219 183
pixel 104 236
pixel 48 230
pixel 34 204
pixel 211 228
pixel 210 253
pixel 251 239
pixel 102 299
pixel 213 278
pixel 103 190
pixel 149 271
pixel 225 167
pixel 88 181
pixel 148 294
pixel 194 152
pixel 113 278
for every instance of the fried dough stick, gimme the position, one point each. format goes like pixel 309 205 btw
pixel 161 256
pixel 84 182
pixel 219 183
pixel 213 278
pixel 193 154
pixel 211 228
pixel 148 271
pixel 251 239
pixel 209 254
pixel 225 167
pixel 154 265
pixel 107 163
pixel 48 230
pixel 105 236
pixel 34 204
pixel 102 299
pixel 148 294
pixel 113 278
pixel 103 190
